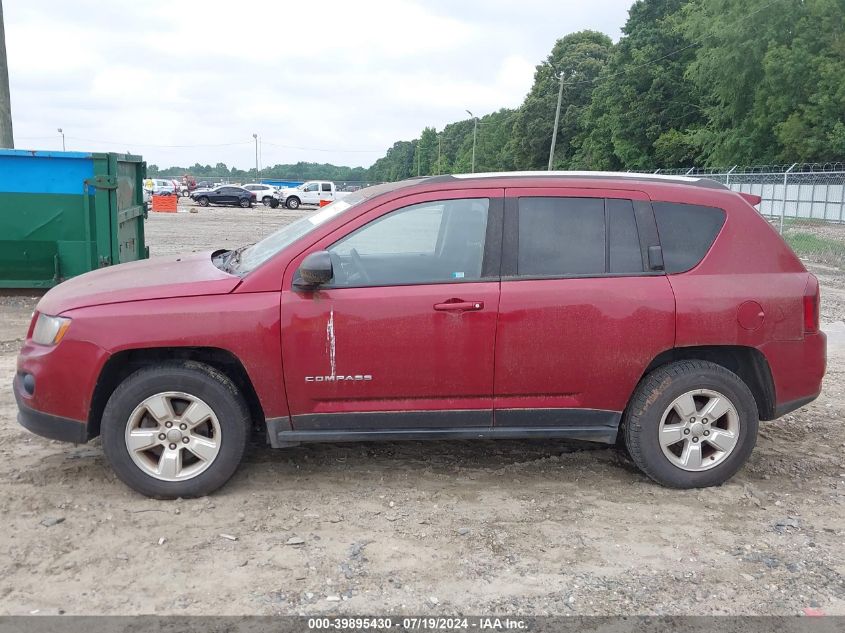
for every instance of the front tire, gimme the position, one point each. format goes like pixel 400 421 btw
pixel 175 429
pixel 691 424
pixel 203 201
pixel 292 202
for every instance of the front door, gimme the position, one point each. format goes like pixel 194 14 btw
pixel 583 311
pixel 311 193
pixel 403 336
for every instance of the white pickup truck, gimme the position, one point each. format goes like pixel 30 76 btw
pixel 311 192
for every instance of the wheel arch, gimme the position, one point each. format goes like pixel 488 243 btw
pixel 746 362
pixel 123 363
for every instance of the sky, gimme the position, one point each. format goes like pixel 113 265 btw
pixel 186 81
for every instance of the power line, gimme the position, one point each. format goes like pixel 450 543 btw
pixel 125 144
pixel 323 149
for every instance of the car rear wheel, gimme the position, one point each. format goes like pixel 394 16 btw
pixel 245 204
pixel 292 202
pixel 175 429
pixel 691 424
pixel 203 201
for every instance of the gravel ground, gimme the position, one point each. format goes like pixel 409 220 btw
pixel 541 527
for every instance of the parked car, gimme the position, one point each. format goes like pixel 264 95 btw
pixel 226 194
pixel 159 186
pixel 663 313
pixel 180 189
pixel 206 185
pixel 264 193
pixel 311 192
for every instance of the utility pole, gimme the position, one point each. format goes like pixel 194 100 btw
pixel 255 136
pixel 439 143
pixel 63 139
pixel 557 119
pixel 6 138
pixel 474 136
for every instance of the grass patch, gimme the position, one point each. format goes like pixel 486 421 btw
pixel 817 249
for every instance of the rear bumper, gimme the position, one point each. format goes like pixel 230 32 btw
pixel 52 426
pixel 798 368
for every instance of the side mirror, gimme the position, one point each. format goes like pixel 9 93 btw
pixel 316 269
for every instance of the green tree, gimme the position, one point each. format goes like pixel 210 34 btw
pixel 580 58
pixel 772 79
pixel 642 94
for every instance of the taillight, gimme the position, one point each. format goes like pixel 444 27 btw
pixel 811 306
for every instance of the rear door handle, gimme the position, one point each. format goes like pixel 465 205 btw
pixel 458 305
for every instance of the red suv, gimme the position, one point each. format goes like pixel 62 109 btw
pixel 661 313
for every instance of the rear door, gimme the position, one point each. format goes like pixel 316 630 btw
pixel 582 312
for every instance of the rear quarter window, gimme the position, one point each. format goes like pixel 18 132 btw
pixel 687 232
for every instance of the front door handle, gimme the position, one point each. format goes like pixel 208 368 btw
pixel 459 305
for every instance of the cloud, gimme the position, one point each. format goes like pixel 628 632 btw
pixel 350 78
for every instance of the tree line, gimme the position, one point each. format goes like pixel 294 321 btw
pixel 710 83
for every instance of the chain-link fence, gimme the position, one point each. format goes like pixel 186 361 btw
pixel 804 202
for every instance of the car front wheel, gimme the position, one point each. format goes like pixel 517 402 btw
pixel 691 424
pixel 175 429
pixel 203 201
pixel 292 202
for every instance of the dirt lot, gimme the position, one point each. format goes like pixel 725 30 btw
pixel 442 527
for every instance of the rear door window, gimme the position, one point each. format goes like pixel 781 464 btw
pixel 561 236
pixel 686 232
pixel 564 237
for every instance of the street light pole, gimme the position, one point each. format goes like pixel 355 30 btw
pixel 474 136
pixel 63 138
pixel 255 136
pixel 557 119
pixel 6 138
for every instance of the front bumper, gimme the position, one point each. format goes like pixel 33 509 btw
pixel 47 425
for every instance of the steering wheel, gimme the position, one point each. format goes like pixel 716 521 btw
pixel 359 265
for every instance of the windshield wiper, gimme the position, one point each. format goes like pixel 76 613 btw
pixel 232 258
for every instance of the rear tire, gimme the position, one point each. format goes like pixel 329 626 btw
pixel 153 406
pixel 244 203
pixel 669 435
pixel 292 202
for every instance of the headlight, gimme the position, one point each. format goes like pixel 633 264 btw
pixel 49 330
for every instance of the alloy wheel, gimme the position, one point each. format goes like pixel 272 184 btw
pixel 699 430
pixel 173 436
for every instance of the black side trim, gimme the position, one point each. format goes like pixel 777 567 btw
pixel 492 260
pixel 560 418
pixel 605 435
pixel 276 426
pixel 393 420
pixel 52 426
pixel 789 407
pixel 647 228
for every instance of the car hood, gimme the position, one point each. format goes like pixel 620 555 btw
pixel 157 278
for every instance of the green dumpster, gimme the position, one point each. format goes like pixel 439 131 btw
pixel 65 213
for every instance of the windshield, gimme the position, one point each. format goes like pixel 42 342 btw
pixel 249 258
